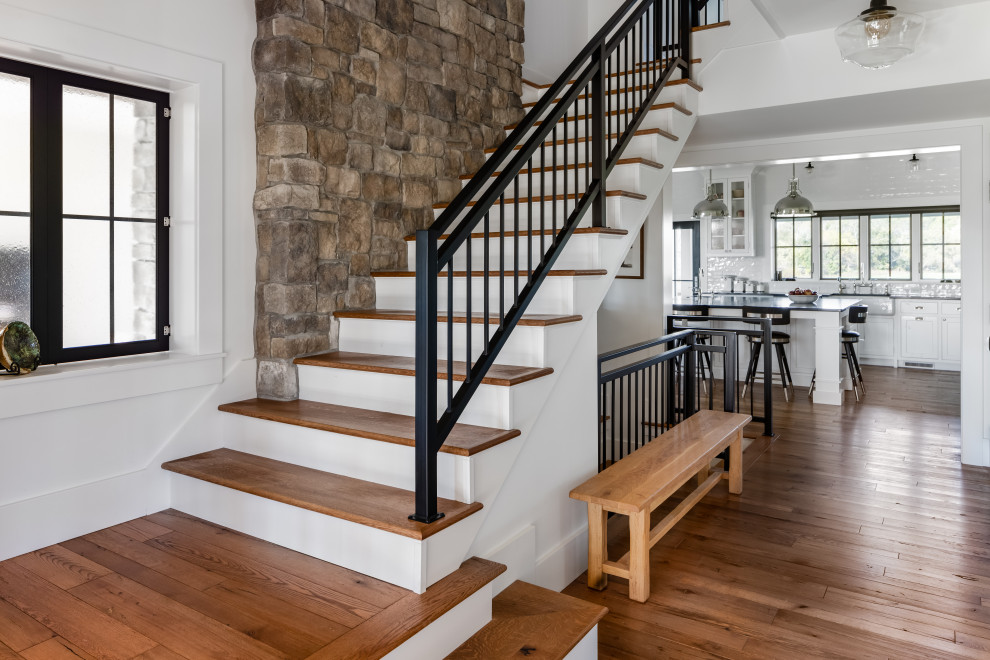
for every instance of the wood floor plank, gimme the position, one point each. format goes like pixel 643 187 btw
pixel 6 653
pixel 169 623
pixel 61 567
pixel 18 631
pixel 88 628
pixel 55 649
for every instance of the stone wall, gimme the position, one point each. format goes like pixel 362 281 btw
pixel 367 113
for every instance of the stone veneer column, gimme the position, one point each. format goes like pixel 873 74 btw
pixel 368 112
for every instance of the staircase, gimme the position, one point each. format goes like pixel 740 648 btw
pixel 338 473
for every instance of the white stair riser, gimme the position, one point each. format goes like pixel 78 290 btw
pixel 461 478
pixel 556 296
pixel 405 562
pixel 492 405
pixel 616 208
pixel 664 119
pixel 443 636
pixel 583 251
pixel 526 346
pixel 675 93
pixel 623 177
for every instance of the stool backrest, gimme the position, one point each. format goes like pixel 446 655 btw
pixel 777 315
pixel 857 313
pixel 691 310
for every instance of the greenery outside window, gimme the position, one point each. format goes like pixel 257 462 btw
pixel 941 256
pixel 890 247
pixel 840 248
pixel 793 247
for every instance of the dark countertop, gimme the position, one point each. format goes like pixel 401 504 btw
pixel 735 301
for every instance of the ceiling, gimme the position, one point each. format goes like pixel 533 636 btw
pixel 789 17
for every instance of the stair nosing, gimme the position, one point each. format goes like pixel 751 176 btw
pixel 573 272
pixel 407 528
pixel 563 168
pixel 324 361
pixel 640 133
pixel 669 105
pixel 458 317
pixel 552 198
pixel 608 231
pixel 451 446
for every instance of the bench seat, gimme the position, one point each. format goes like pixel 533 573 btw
pixel 642 481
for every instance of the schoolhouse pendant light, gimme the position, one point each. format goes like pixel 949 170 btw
pixel 711 208
pixel 793 205
pixel 879 36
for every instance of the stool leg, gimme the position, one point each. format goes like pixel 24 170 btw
pixel 787 368
pixel 811 390
pixel 859 370
pixel 754 359
pixel 783 371
pixel 597 546
pixel 639 556
pixel 852 369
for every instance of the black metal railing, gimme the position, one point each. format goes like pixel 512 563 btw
pixel 719 371
pixel 708 12
pixel 563 150
pixel 663 382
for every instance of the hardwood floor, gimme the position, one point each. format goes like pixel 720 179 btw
pixel 858 535
pixel 170 586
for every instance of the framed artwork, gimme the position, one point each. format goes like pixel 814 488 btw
pixel 633 265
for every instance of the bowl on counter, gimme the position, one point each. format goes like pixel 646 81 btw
pixel 802 299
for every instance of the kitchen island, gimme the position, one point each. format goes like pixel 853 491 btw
pixel 826 318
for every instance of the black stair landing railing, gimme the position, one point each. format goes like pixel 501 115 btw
pixel 526 202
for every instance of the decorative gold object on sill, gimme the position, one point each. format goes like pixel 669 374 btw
pixel 20 351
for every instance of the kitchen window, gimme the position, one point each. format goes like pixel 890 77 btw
pixel 793 247
pixel 890 247
pixel 941 250
pixel 840 248
pixel 83 208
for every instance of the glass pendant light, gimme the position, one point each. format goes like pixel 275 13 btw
pixel 793 205
pixel 711 208
pixel 914 165
pixel 879 36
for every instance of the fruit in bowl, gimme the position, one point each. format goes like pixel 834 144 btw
pixel 802 295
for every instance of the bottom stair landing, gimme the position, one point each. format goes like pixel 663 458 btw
pixel 172 586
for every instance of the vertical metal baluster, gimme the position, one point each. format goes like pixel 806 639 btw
pixel 587 136
pixel 656 397
pixel 622 410
pixel 468 321
pixel 543 193
pixel 515 239
pixel 529 220
pixel 608 104
pixel 553 196
pixel 501 261
pixel 450 335
pixel 577 160
pixel 566 156
pixel 601 422
pixel 487 309
pixel 612 419
pixel 629 64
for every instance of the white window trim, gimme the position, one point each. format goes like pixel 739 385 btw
pixel 196 204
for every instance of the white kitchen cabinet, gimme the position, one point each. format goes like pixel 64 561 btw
pixel 877 340
pixel 951 334
pixel 732 236
pixel 920 337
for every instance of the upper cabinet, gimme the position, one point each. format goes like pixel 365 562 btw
pixel 732 236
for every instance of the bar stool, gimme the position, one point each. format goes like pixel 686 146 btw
pixel 700 337
pixel 857 316
pixel 779 339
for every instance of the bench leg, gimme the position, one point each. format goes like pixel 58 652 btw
pixel 639 556
pixel 597 546
pixel 703 474
pixel 736 465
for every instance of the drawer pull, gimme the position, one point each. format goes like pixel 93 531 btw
pixel 919 307
pixel 919 318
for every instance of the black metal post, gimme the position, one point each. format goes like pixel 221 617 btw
pixel 686 19
pixel 426 377
pixel 768 376
pixel 729 373
pixel 598 139
pixel 690 369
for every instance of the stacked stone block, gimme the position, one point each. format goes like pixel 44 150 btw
pixel 368 112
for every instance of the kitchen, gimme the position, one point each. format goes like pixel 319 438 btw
pixel 885 231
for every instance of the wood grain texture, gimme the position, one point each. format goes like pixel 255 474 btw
pixel 615 113
pixel 362 502
pixel 570 167
pixel 500 374
pixel 859 535
pixel 464 440
pixel 553 198
pixel 271 603
pixel 652 473
pixel 530 621
pixel 495 273
pixel 546 232
pixel 530 320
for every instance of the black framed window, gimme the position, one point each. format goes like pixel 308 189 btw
pixel 83 208
pixel 941 246
pixel 890 247
pixel 840 247
pixel 792 238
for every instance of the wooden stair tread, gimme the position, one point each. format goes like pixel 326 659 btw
pixel 495 273
pixel 625 90
pixel 396 624
pixel 552 198
pixel 644 65
pixel 548 232
pixel 502 375
pixel 613 136
pixel 701 28
pixel 670 105
pixel 464 439
pixel 532 320
pixel 363 502
pixel 573 166
pixel 531 621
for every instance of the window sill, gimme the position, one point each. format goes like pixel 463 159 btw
pixel 55 387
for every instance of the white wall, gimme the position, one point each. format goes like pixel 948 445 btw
pixel 547 56
pixel 82 444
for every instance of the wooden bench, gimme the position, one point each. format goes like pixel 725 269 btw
pixel 642 481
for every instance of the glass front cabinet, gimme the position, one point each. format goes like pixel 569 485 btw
pixel 732 236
